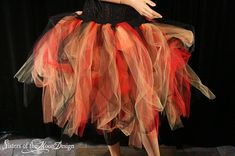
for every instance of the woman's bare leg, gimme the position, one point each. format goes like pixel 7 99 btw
pixel 112 139
pixel 150 142
pixel 114 149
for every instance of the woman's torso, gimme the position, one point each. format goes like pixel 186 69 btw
pixel 105 12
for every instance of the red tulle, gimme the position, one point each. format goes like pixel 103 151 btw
pixel 119 77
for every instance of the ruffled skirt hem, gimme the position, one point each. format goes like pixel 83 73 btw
pixel 116 77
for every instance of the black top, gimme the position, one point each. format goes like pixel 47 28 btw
pixel 106 12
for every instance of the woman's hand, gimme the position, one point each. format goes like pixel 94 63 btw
pixel 78 12
pixel 143 7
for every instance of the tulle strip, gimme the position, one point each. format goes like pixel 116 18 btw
pixel 116 77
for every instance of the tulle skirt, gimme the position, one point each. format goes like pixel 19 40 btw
pixel 113 76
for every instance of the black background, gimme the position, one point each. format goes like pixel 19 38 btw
pixel 211 123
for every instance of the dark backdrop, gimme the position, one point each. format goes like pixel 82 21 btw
pixel 211 123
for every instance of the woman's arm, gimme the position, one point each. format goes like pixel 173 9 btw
pixel 141 6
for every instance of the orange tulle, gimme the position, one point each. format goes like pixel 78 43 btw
pixel 116 77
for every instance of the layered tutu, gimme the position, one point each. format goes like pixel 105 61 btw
pixel 114 76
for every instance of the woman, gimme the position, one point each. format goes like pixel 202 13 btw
pixel 116 66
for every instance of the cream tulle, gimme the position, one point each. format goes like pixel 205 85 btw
pixel 116 77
